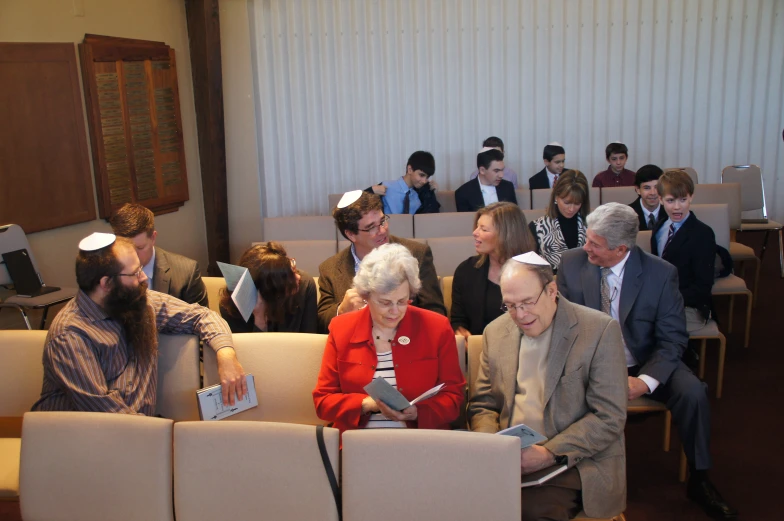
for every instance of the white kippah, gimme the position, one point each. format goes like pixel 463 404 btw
pixel 531 258
pixel 487 149
pixel 349 197
pixel 96 241
pixel 555 143
pixel 616 143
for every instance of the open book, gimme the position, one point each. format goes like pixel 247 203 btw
pixel 541 476
pixel 211 406
pixel 243 290
pixel 381 391
pixel 527 435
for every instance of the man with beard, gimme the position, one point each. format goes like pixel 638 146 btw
pixel 101 352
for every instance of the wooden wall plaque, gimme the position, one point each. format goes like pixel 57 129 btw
pixel 135 123
pixel 44 163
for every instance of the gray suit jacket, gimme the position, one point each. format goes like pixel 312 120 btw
pixel 179 277
pixel 336 276
pixel 585 397
pixel 651 307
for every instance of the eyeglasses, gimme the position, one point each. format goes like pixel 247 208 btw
pixel 137 273
pixel 389 305
pixel 525 306
pixel 376 228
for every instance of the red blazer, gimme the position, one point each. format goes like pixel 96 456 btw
pixel 430 358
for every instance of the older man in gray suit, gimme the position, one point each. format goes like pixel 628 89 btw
pixel 610 273
pixel 559 368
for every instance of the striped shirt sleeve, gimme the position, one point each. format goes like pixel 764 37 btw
pixel 173 316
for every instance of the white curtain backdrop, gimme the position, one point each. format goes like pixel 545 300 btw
pixel 348 89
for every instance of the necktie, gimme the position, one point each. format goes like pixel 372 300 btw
pixel 606 302
pixel 669 239
pixel 407 202
pixel 651 221
pixel 555 180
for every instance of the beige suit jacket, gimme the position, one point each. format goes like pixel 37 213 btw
pixel 585 397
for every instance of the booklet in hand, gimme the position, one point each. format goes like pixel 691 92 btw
pixel 527 435
pixel 380 390
pixel 243 290
pixel 542 476
pixel 210 400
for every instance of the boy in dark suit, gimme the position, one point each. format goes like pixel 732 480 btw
pixel 647 205
pixel 554 157
pixel 687 243
pixel 489 186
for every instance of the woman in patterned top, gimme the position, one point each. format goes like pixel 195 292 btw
pixel 563 226
pixel 413 349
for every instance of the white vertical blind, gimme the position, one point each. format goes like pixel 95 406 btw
pixel 348 89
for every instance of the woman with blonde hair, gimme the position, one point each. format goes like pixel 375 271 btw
pixel 563 226
pixel 500 233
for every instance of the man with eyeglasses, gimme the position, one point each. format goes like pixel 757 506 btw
pixel 559 369
pixel 101 351
pixel 612 274
pixel 360 218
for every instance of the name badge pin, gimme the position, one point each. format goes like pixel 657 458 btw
pixel 404 340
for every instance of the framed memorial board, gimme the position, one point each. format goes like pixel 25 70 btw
pixel 133 109
pixel 44 160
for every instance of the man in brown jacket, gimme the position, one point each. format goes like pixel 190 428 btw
pixel 360 218
pixel 559 368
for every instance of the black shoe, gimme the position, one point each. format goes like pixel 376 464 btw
pixel 705 494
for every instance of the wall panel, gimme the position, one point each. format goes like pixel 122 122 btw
pixel 346 90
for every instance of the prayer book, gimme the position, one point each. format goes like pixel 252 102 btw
pixel 243 290
pixel 541 476
pixel 211 406
pixel 381 391
pixel 527 435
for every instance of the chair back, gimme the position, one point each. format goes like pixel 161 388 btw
pixel 285 367
pixel 618 194
pixel 449 252
pixel 540 198
pixel 12 238
pixel 532 215
pixel 21 374
pixel 401 225
pixel 310 254
pixel 718 218
pixel 273 471
pixel 432 473
pixel 300 228
pixel 455 224
pixel 446 199
pixel 752 191
pixel 461 354
pixel 689 170
pixel 724 193
pixel 95 466
pixel 214 285
pixel 644 240
pixel 446 291
pixel 473 352
pixel 178 377
pixel 523 198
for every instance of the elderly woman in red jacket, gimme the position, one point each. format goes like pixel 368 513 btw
pixel 413 349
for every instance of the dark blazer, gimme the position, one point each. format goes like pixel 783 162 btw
pixel 468 296
pixel 303 320
pixel 179 277
pixel 540 180
pixel 336 276
pixel 651 307
pixel 637 207
pixel 468 198
pixel 428 359
pixel 693 251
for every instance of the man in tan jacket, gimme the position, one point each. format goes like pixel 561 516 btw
pixel 560 369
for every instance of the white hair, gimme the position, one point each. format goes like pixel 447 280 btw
pixel 616 222
pixel 385 268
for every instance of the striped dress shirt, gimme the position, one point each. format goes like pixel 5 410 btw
pixel 89 364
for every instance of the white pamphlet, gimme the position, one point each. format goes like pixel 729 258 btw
pixel 243 289
pixel 211 406
pixel 527 435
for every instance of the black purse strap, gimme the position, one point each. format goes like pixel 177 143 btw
pixel 333 482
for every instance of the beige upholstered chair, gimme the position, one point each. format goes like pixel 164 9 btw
pixel 689 170
pixel 446 291
pixel 449 252
pixel 95 466
pixel 300 228
pixel 729 194
pixel 285 367
pixel 473 353
pixel 618 194
pixel 532 215
pixel 523 198
pixel 178 377
pixel 310 254
pixel 717 217
pixel 446 198
pixel 540 198
pixel 436 475
pixel 455 224
pixel 252 470
pixel 595 196
pixel 644 240
pixel 214 285
pixel 400 225
pixel 21 374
